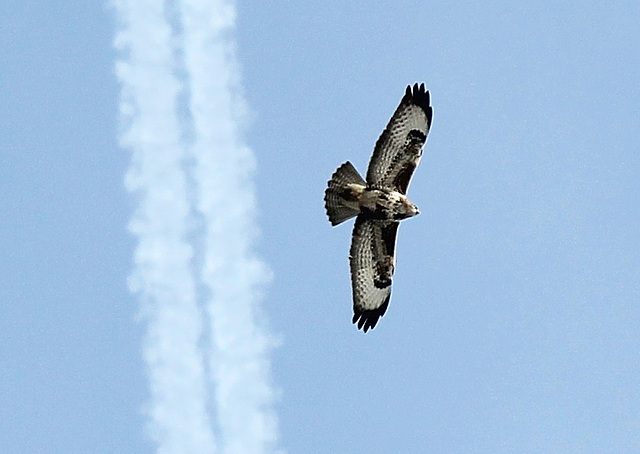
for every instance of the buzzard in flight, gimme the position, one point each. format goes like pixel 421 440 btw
pixel 380 203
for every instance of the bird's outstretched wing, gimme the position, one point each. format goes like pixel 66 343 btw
pixel 372 261
pixel 399 148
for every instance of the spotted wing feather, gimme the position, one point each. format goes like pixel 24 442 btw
pixel 372 262
pixel 399 148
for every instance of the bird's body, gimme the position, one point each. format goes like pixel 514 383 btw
pixel 386 205
pixel 380 203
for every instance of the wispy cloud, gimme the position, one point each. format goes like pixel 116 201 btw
pixel 232 273
pixel 206 348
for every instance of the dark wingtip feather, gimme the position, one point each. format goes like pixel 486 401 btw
pixel 419 96
pixel 369 318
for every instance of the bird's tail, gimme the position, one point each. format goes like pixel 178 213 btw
pixel 342 196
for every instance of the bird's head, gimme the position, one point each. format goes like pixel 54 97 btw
pixel 406 208
pixel 412 209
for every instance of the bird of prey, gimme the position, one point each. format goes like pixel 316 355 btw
pixel 380 202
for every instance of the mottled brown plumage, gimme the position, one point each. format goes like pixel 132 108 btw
pixel 380 202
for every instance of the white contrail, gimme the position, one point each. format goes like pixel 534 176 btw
pixel 184 404
pixel 231 272
pixel 179 422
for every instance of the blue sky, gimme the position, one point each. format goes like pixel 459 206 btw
pixel 513 323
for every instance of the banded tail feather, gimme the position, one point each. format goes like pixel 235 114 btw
pixel 342 195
